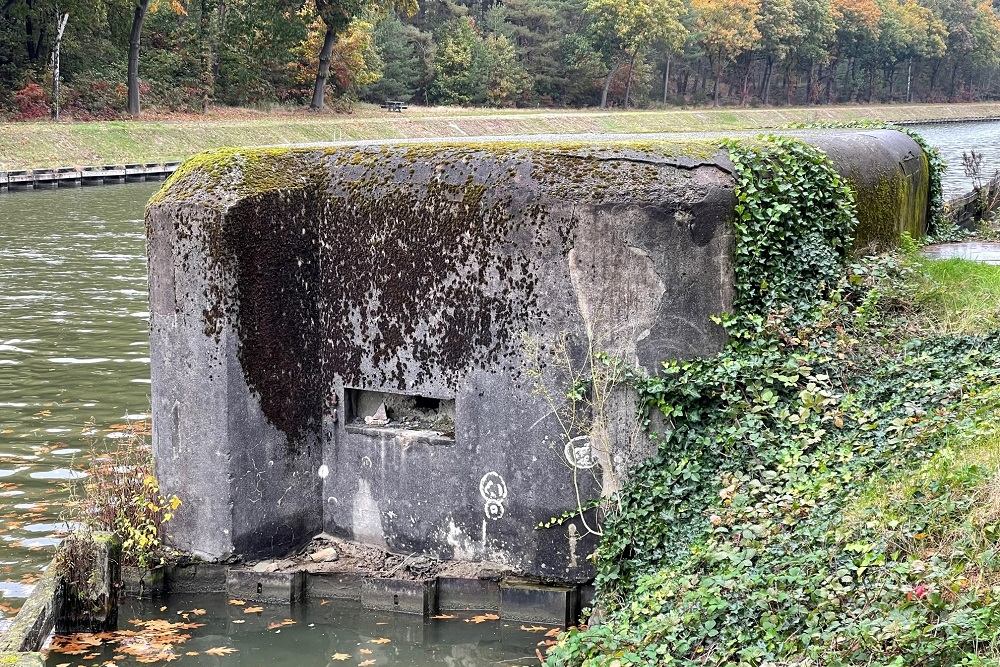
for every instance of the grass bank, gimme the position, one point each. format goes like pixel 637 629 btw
pixel 46 144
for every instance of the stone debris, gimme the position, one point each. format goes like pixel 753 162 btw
pixel 332 554
pixel 324 555
pixel 380 418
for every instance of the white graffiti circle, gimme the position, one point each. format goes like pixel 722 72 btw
pixel 579 453
pixel 493 509
pixel 493 489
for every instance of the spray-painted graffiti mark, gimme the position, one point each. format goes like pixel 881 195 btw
pixel 493 489
pixel 579 453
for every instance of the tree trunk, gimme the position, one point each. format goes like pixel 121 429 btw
pixel 718 76
pixel 809 82
pixel 134 39
pixel 207 57
pixel 607 84
pixel 768 72
pixel 909 81
pixel 745 98
pixel 60 28
pixel 323 72
pixel 666 80
pixel 631 71
pixel 934 73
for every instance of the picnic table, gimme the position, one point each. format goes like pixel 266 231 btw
pixel 394 106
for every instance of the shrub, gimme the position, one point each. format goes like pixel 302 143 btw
pixel 121 495
pixel 32 102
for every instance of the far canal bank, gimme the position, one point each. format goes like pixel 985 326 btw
pixel 33 145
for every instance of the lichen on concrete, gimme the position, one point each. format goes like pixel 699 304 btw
pixel 282 278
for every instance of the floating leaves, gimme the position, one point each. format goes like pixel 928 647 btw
pixel 220 650
pixel 482 618
pixel 340 657
pixel 380 640
pixel 237 603
pixel 442 617
pixel 253 610
pixel 151 641
pixel 280 624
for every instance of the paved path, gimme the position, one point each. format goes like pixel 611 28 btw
pixel 977 251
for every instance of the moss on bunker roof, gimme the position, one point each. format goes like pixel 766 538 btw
pixel 237 173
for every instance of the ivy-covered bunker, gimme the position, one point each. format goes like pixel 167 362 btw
pixel 367 340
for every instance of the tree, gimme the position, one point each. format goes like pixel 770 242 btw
pixel 727 29
pixel 337 16
pixel 140 9
pixel 405 69
pixel 858 25
pixel 778 32
pixel 624 29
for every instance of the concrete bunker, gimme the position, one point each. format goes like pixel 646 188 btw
pixel 357 339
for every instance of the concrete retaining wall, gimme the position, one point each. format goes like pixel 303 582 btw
pixel 62 177
pixel 286 283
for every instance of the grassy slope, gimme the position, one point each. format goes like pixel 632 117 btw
pixel 874 544
pixel 961 296
pixel 44 144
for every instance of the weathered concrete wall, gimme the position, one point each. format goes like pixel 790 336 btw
pixel 888 172
pixel 484 274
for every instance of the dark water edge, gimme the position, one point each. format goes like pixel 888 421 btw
pixel 339 632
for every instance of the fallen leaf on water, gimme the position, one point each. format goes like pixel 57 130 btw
pixel 554 632
pixel 220 650
pixel 238 620
pixel 192 653
pixel 339 657
pixel 280 624
pixel 482 618
pixel 365 651
pixel 198 612
pixel 366 663
pixel 237 603
pixel 380 640
pixel 323 602
pixel 441 617
pixel 533 628
pixel 253 610
pixel 164 608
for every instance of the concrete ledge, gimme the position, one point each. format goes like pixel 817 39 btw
pixel 270 587
pixel 36 618
pixel 399 595
pixel 27 179
pixel 141 583
pixel 334 586
pixel 460 594
pixel 196 577
pixel 538 603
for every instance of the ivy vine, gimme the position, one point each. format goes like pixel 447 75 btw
pixel 737 544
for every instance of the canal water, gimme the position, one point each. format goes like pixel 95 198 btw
pixel 74 374
pixel 952 139
pixel 210 631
